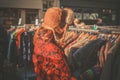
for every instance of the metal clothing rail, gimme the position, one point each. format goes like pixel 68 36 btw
pixel 96 31
pixel 84 30
pixel 18 26
pixel 113 32
pixel 110 28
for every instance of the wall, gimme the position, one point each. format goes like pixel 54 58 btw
pixel 119 15
pixel 56 3
pixel 91 3
pixel 33 4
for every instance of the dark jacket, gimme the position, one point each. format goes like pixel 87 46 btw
pixel 111 70
pixel 3 44
pixel 86 56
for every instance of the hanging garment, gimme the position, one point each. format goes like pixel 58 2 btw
pixel 86 56
pixel 12 49
pixel 92 73
pixel 69 37
pixel 81 40
pixel 3 49
pixel 3 44
pixel 72 44
pixel 111 69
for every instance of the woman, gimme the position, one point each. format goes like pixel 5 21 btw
pixel 49 59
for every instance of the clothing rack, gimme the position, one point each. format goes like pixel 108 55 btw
pixel 18 26
pixel 84 30
pixel 109 26
pixel 108 31
pixel 115 28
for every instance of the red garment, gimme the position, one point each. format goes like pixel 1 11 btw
pixel 19 32
pixel 49 62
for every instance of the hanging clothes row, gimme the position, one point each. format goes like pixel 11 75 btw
pixel 20 52
pixel 97 29
pixel 20 46
pixel 88 50
pixel 3 49
pixel 111 69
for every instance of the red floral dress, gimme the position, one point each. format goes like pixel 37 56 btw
pixel 50 62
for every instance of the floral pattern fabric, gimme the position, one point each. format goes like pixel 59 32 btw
pixel 50 62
